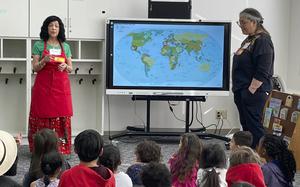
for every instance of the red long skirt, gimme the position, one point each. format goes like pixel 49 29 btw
pixel 61 125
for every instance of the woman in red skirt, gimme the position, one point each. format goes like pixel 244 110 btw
pixel 51 101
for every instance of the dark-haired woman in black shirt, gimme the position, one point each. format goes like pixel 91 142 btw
pixel 252 70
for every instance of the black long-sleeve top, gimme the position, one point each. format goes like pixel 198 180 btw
pixel 256 61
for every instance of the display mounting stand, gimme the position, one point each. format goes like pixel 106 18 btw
pixel 135 131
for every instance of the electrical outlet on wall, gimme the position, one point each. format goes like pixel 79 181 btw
pixel 221 114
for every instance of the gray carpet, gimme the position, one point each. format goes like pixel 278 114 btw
pixel 126 145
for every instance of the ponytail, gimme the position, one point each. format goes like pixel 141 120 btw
pixel 288 164
pixel 277 150
pixel 211 178
pixel 46 180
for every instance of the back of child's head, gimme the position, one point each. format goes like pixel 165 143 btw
pixel 45 141
pixel 50 165
pixel 242 138
pixel 111 157
pixel 156 174
pixel 190 144
pixel 148 151
pixel 187 156
pixel 88 145
pixel 242 184
pixel 243 155
pixel 273 147
pixel 213 156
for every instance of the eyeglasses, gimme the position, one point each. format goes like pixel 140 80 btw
pixel 242 22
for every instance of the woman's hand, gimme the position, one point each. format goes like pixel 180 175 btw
pixel 48 58
pixel 255 84
pixel 252 89
pixel 62 67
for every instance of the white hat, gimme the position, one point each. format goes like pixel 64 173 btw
pixel 8 151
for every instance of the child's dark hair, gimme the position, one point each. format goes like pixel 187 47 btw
pixel 277 149
pixel 44 142
pixel 88 145
pixel 187 156
pixel 212 156
pixel 111 157
pixel 44 35
pixel 50 164
pixel 156 174
pixel 148 151
pixel 243 138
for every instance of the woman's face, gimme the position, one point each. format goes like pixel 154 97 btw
pixel 53 29
pixel 248 26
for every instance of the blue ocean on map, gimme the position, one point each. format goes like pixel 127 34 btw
pixel 161 55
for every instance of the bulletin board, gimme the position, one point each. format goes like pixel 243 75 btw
pixel 282 118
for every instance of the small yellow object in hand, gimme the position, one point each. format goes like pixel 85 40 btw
pixel 59 59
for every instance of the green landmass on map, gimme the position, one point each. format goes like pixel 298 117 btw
pixel 175 44
pixel 205 67
pixel 148 62
pixel 172 47
pixel 139 39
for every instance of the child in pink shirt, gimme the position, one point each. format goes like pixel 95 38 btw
pixel 184 163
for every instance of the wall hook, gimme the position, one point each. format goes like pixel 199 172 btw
pixel 6 80
pixel 15 70
pixel 76 70
pixel 21 80
pixel 90 70
pixel 93 81
pixel 80 80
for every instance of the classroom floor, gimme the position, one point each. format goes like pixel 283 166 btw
pixel 169 145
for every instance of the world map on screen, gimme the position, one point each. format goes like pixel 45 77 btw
pixel 168 55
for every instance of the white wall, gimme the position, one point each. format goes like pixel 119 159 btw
pixel 293 67
pixel 276 14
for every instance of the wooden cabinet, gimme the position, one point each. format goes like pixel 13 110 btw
pixel 13 84
pixel 85 31
pixel 14 18
pixel 82 18
pixel 17 79
pixel 87 18
pixel 41 9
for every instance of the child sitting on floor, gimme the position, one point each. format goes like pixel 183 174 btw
pixel 280 168
pixel 146 151
pixel 184 163
pixel 212 170
pixel 111 159
pixel 51 164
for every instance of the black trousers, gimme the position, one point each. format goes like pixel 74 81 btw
pixel 250 107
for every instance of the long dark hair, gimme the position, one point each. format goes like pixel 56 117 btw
pixel 277 150
pixel 50 163
pixel 254 15
pixel 44 142
pixel 187 156
pixel 213 156
pixel 44 35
